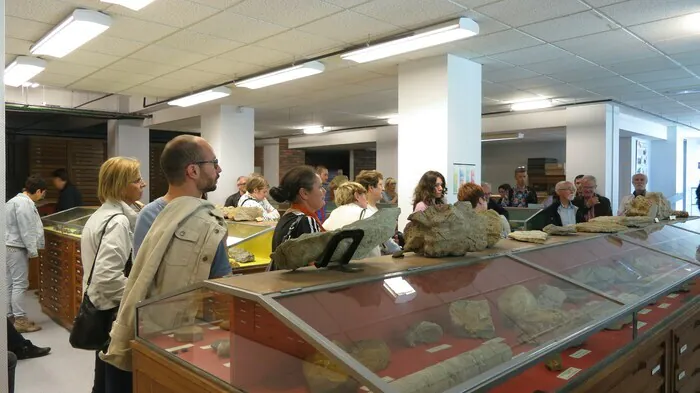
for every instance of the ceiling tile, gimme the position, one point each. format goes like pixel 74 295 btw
pixel 552 66
pixel 99 85
pixel 228 67
pixel 289 13
pixel 566 27
pixel 523 12
pixel 167 55
pixel 603 3
pixel 142 67
pixel 17 47
pixel 652 76
pixel 529 83
pixel 347 3
pixel 61 67
pixel 608 47
pixel 92 4
pixel 189 40
pixel 138 30
pixel 408 13
pixel 56 80
pixel 674 84
pixel 491 64
pixel 592 72
pixel 85 57
pixel 47 11
pixel 195 77
pixel 535 54
pixel 508 74
pixel 219 4
pixel 299 43
pixel 351 27
pixel 154 92
pixel 171 84
pixel 236 27
pixel 500 42
pixel 634 12
pixel 176 13
pixel 112 46
pixel 688 58
pixel 636 66
pixel 679 45
pixel 25 29
pixel 559 91
pixel 663 30
pixel 606 82
pixel 475 3
pixel 259 56
pixel 121 76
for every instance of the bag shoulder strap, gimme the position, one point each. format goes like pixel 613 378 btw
pixel 362 214
pixel 97 251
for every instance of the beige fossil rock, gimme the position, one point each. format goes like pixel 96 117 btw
pixel 472 318
pixel 189 334
pixel 240 255
pixel 600 227
pixel 373 354
pixel 550 297
pixel 493 226
pixel 423 332
pixel 554 230
pixel 252 213
pixel 516 300
pixel 447 230
pixel 537 237
pixel 300 252
pixel 324 375
pixel 222 348
pixel 631 221
pixel 653 205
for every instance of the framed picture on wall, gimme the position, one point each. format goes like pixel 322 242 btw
pixel 641 156
pixel 462 173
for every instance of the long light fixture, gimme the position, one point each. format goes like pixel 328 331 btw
pixel 131 4
pixel 205 96
pixel 315 129
pixel 394 120
pixel 80 27
pixel 285 75
pixel 504 137
pixel 463 28
pixel 22 70
pixel 692 22
pixel 530 105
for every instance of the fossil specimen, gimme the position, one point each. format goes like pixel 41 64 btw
pixel 447 230
pixel 373 354
pixel 472 318
pixel 225 325
pixel 423 332
pixel 537 237
pixel 554 230
pixel 550 297
pixel 493 226
pixel 222 348
pixel 680 214
pixel 554 362
pixel 240 255
pixel 189 334
pixel 653 204
pixel 631 221
pixel 517 300
pixel 600 227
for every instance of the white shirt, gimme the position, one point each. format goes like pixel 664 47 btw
pixel 269 212
pixel 347 214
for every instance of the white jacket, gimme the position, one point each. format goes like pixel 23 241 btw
pixel 269 212
pixel 347 214
pixel 23 227
pixel 108 280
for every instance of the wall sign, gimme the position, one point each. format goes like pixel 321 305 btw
pixel 462 173
pixel 641 156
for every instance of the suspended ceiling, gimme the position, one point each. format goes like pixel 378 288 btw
pixel 638 52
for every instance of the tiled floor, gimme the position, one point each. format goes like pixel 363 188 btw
pixel 65 370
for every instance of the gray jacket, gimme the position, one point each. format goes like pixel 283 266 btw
pixel 23 227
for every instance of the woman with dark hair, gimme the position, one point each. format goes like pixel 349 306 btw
pixel 430 191
pixel 302 188
pixel 69 196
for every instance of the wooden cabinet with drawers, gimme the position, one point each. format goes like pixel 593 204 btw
pixel 60 278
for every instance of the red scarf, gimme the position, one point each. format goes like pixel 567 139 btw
pixel 308 213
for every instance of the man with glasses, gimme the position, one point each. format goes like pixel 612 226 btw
pixel 241 183
pixel 491 204
pixel 591 204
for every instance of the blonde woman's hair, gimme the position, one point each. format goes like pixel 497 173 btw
pixel 115 175
pixel 256 183
pixel 338 180
pixel 345 194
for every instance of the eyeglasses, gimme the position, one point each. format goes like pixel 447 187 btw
pixel 215 162
pixel 241 184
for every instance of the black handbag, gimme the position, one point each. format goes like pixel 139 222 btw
pixel 91 326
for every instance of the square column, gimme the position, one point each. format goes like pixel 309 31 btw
pixel 230 131
pixel 388 151
pixel 666 167
pixel 128 138
pixel 440 124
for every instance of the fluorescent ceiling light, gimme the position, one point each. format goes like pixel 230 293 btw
pixel 33 85
pixel 314 130
pixel 72 33
pixel 464 28
pixel 394 120
pixel 285 75
pixel 692 22
pixel 131 4
pixel 209 95
pixel 530 105
pixel 23 69
pixel 503 137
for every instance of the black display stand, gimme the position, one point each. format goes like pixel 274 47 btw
pixel 356 236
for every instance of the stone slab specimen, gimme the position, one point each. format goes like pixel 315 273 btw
pixel 454 371
pixel 554 362
pixel 600 227
pixel 447 230
pixel 240 255
pixel 222 348
pixel 373 354
pixel 537 237
pixel 550 297
pixel 472 318
pixel 555 230
pixel 653 205
pixel 325 376
pixel 517 300
pixel 300 252
pixel 631 221
pixel 423 332
pixel 189 334
pixel 493 226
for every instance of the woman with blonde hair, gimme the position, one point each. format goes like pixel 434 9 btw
pixel 256 196
pixel 351 198
pixel 107 239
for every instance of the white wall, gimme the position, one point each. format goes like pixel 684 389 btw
pixel 693 173
pixel 127 138
pixel 626 165
pixel 388 151
pixel 499 160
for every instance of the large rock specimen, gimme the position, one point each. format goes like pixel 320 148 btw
pixel 517 300
pixel 446 230
pixel 423 332
pixel 240 255
pixel 449 373
pixel 472 318
pixel 632 221
pixel 248 213
pixel 373 354
pixel 189 334
pixel 653 205
pixel 493 226
pixel 550 297
pixel 222 348
pixel 537 237
pixel 600 227
pixel 300 252
pixel 554 230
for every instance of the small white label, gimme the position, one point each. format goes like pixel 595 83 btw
pixel 173 349
pixel 641 324
pixel 656 220
pixel 569 373
pixel 495 340
pixel 214 328
pixel 664 305
pixel 681 375
pixel 438 348
pixel 171 335
pixel 672 296
pixel 227 365
pixel 656 370
pixel 672 218
pixel 580 353
pixel 644 311
pixel 684 348
pixel 206 347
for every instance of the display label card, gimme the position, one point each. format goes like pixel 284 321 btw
pixel 495 340
pixel 214 328
pixel 672 296
pixel 644 311
pixel 173 349
pixel 681 375
pixel 438 348
pixel 656 220
pixel 227 365
pixel 580 353
pixel 206 347
pixel 664 305
pixel 365 389
pixel 641 324
pixel 656 370
pixel 172 335
pixel 672 218
pixel 684 348
pixel 569 373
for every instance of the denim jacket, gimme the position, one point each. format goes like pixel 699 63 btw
pixel 23 227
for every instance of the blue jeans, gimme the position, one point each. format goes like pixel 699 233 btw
pixel 17 281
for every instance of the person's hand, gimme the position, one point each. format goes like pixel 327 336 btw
pixel 592 202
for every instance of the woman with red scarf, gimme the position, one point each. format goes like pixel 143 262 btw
pixel 302 188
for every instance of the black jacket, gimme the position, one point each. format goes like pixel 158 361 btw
pixel 531 196
pixel 232 201
pixel 552 213
pixel 68 198
pixel 604 208
pixel 493 205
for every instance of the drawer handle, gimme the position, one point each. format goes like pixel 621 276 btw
pixel 681 375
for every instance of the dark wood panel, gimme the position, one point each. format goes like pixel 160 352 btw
pixel 158 185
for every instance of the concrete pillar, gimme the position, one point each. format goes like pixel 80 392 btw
pixel 592 146
pixel 440 123
pixel 3 171
pixel 271 160
pixel 128 138
pixel 388 151
pixel 626 167
pixel 666 166
pixel 230 131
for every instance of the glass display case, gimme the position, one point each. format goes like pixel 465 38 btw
pixel 525 219
pixel 68 222
pixel 249 244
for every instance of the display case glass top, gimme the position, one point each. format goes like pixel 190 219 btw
pixel 614 266
pixel 249 244
pixel 690 225
pixel 668 238
pixel 68 222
